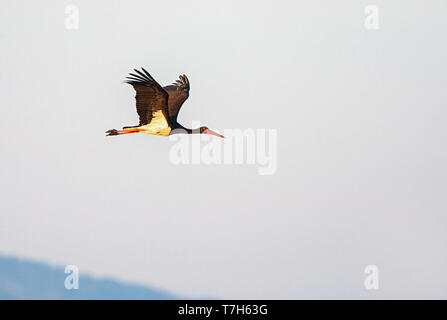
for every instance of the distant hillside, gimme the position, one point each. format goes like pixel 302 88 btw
pixel 20 279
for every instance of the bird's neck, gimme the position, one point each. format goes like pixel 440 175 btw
pixel 193 131
pixel 181 129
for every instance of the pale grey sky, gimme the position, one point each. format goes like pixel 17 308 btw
pixel 360 116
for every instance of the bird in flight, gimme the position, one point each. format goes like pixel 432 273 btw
pixel 158 106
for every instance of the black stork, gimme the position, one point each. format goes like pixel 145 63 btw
pixel 158 107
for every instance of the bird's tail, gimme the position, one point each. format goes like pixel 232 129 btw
pixel 114 132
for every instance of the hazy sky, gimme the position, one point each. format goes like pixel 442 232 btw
pixel 360 116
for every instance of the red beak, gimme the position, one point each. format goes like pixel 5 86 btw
pixel 208 131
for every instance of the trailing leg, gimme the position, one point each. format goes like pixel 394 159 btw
pixel 114 132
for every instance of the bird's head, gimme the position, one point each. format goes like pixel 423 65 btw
pixel 205 130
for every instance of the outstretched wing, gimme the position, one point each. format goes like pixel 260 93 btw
pixel 151 98
pixel 178 93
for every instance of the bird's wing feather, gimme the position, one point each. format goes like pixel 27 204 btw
pixel 178 93
pixel 150 96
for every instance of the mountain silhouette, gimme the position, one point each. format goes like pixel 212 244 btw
pixel 24 279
